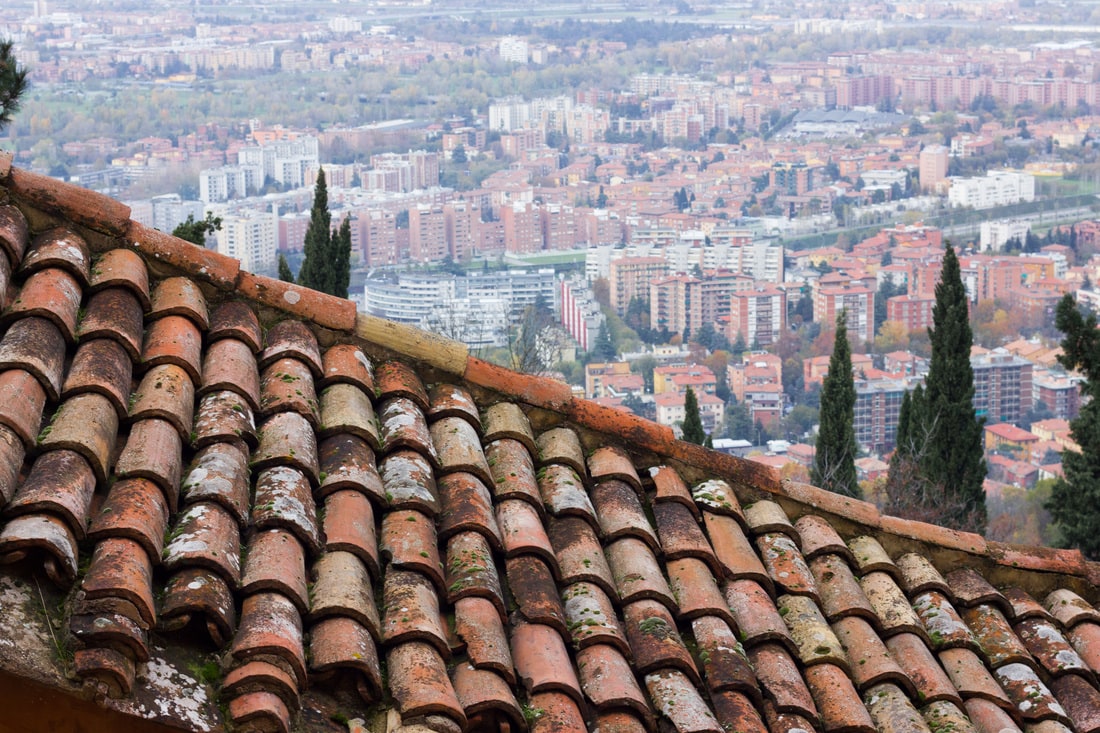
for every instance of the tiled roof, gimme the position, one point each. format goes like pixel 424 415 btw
pixel 353 513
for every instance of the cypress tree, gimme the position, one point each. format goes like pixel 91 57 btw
pixel 953 459
pixel 284 270
pixel 316 266
pixel 341 259
pixel 693 422
pixel 1075 499
pixel 835 454
pixel 13 83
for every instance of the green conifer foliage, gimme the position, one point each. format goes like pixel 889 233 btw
pixel 693 422
pixel 316 266
pixel 835 454
pixel 284 270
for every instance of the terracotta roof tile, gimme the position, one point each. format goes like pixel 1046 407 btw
pixel 59 247
pixel 288 440
pixel 395 379
pixel 121 569
pixel 100 366
pixel 283 501
pixel 120 268
pixel 134 509
pixel 345 408
pixel 563 492
pixel 914 657
pixel 781 681
pixel 52 294
pixel 449 400
pixel 523 532
pixel 12 451
pixel 271 626
pixel 543 662
pixel 636 572
pixel 205 535
pixel 620 513
pixel 486 698
pixel 471 571
pixel 348 526
pixel 1069 608
pixel 785 565
pixel 818 537
pixel 88 425
pixel 411 609
pixel 534 592
pixel 507 420
pixel 107 672
pixel 229 364
pixel 403 427
pixel 324 310
pixel 1029 695
pixel 166 392
pixel 1050 648
pixel 219 473
pixel 837 700
pixel 871 557
pixel 890 604
pixel 261 676
pixel 725 665
pixel 971 589
pixel 1085 638
pixel 478 625
pixel 591 617
pixel 988 717
pixel 654 640
pixel 841 594
pixel 608 681
pixel 235 320
pixel 261 711
pixel 60 483
pixel 918 575
pixel 944 625
pixel 671 489
pixel 459 448
pixel 580 557
pixel 556 712
pixel 1081 702
pixel 408 542
pixel 947 716
pixel 114 313
pixel 732 548
pixel 995 637
pixel 221 417
pixel 153 451
pixel 112 630
pixel 179 296
pixel 678 700
pixel 513 473
pixel 44 538
pixel 276 563
pixel 561 445
pixel 286 385
pixel 35 345
pixel 80 205
pixel 174 340
pixel 891 710
pixel 198 595
pixel 718 497
pixel 970 676
pixel 735 709
pixel 13 232
pixel 22 400
pixel 340 647
pixel 869 661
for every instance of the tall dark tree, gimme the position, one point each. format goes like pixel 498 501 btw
pixel 316 267
pixel 603 349
pixel 1075 499
pixel 285 273
pixel 341 259
pixel 196 232
pixel 693 422
pixel 953 457
pixel 13 83
pixel 835 454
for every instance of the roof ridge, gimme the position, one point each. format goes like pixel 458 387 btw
pixel 111 218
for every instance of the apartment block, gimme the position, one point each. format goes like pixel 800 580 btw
pixel 933 166
pixel 671 412
pixel 1002 386
pixel 679 378
pixel 580 313
pixel 758 316
pixel 855 298
pixel 630 278
pixel 427 233
pixel 878 403
pixel 374 234
pixel 996 188
pixel 251 237
pixel 1058 393
pixel 914 311
pixel 522 228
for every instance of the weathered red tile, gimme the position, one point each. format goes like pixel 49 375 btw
pixel 890 604
pixel 947 716
pixel 995 637
pixel 1069 608
pixel 717 497
pixel 841 594
pixel 782 683
pixel 88 425
pixel 755 613
pixel 1048 726
pixel 81 206
pixel 654 639
pixel 561 445
pixel 102 366
pixel 262 712
pixel 348 526
pixel 111 630
pixel 913 656
pixel 971 589
pixel 276 563
pixel 12 451
pixel 580 556
pixel 287 439
pixel 1085 638
pixel 781 722
pixel 1024 606
pixel 725 665
pixel 513 473
pixel 542 661
pixel 409 542
pixel 620 513
pixel 59 247
pixel 695 590
pixel 152 452
pixel 1080 700
pixel 342 587
pixel 563 492
pixel 471 571
pixel 174 340
pixel 818 538
pixel 135 509
pixel 934 535
pixel 13 233
pixel 555 712
pixel 970 677
pixel 60 483
pixel 1029 695
pixel 987 717
pixel 637 574
pixel 734 709
pixel 526 388
pixel 613 463
pixel 121 569
pixel 42 538
pixel 467 507
pixel 347 364
pixel 670 488
pixel 22 400
pixel 813 637
pixel 287 386
pixel 51 294
pixel 871 557
pixel 179 296
pixel 166 392
pixel 194 260
pixel 506 420
pixel 114 313
pixel 409 482
pixel 270 627
pixel 533 591
pixel 283 501
pixel 235 320
pixel 395 379
pixel 837 700
pixel 35 345
pixel 223 417
pixel 591 617
pixel 450 400
pixel 522 531
pixel 419 683
pixel 411 611
pixel 205 535
pixel 891 710
pixel 219 473
pixel 486 698
pixel 676 698
pixel 478 625
pixel 345 408
pixel 767 517
pixel 945 627
pixel 260 676
pixel 196 595
pixel 230 365
pixel 107 672
pixel 459 448
pixel 919 575
pixel 347 463
pixel 340 647
pixel 291 339
pixel 869 661
pixel 732 548
pixel 120 268
pixel 785 565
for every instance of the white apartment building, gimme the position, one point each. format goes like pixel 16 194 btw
pixel 252 238
pixel 514 49
pixel 996 188
pixel 994 234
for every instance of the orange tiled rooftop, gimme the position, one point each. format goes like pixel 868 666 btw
pixel 352 518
